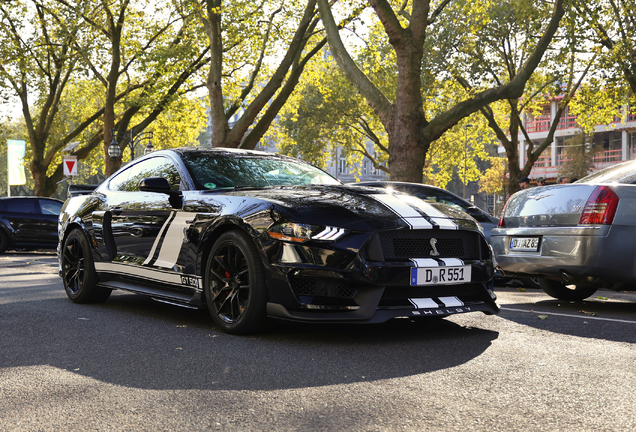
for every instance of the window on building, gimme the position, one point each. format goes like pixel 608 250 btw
pixel 561 157
pixel 631 140
pixel 343 166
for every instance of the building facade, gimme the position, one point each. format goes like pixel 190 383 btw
pixel 616 140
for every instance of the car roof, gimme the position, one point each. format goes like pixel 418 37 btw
pixel 31 197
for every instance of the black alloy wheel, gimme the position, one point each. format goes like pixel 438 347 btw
pixel 235 287
pixel 78 270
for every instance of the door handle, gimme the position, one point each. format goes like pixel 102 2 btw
pixel 116 210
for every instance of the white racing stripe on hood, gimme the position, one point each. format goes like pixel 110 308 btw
pixel 405 211
pixel 440 218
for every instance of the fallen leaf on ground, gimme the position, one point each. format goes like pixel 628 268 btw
pixel 589 313
pixel 542 317
pixel 602 298
pixel 521 289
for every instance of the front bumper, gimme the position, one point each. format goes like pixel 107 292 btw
pixel 376 292
pixel 600 252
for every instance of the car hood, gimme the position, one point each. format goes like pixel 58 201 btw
pixel 321 204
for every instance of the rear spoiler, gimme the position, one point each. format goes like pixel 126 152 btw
pixel 76 190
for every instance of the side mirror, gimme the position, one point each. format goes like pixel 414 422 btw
pixel 154 184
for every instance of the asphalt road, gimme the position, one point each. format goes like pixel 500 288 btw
pixel 134 364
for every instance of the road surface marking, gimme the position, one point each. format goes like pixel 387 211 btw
pixel 568 315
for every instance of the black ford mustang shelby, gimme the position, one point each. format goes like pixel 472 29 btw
pixel 253 235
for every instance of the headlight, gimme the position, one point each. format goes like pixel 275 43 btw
pixel 300 233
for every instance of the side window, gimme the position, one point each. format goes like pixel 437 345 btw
pixel 50 207
pixel 154 167
pixel 120 181
pixel 444 199
pixel 22 206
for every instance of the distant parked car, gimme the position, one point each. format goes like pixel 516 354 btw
pixel 29 223
pixel 576 237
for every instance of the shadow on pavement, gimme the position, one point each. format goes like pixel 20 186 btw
pixel 598 318
pixel 134 342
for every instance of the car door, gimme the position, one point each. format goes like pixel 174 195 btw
pixel 23 216
pixel 139 218
pixel 47 226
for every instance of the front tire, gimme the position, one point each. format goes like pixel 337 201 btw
pixel 78 270
pixel 235 289
pixel 560 291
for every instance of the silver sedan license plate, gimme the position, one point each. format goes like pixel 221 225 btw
pixel 524 244
pixel 440 275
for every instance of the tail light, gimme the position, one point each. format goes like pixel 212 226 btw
pixel 502 222
pixel 600 208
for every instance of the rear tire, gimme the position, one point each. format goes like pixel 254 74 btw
pixel 78 270
pixel 560 291
pixel 235 289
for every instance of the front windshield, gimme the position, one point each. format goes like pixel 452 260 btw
pixel 222 171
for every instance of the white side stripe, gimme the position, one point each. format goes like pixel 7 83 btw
pixel 451 301
pixel 144 272
pixel 173 240
pixel 424 303
pixel 405 211
pixel 158 239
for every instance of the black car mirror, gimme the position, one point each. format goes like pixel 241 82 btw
pixel 154 184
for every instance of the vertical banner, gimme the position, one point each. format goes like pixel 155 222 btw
pixel 15 162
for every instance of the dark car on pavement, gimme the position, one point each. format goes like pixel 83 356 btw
pixel 575 237
pixel 28 223
pixel 253 235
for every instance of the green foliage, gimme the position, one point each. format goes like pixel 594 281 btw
pixel 325 112
pixel 579 153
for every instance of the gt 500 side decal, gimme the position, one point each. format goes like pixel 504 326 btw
pixel 152 275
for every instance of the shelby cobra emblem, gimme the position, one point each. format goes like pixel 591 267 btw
pixel 434 251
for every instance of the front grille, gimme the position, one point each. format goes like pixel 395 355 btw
pixel 321 288
pixel 407 244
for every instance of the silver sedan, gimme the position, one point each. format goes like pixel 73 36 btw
pixel 575 237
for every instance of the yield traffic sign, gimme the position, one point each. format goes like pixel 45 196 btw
pixel 70 165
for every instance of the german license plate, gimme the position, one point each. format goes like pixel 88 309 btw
pixel 440 275
pixel 524 244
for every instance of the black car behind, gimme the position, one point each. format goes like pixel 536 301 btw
pixel 28 223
